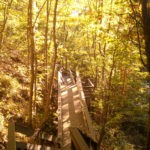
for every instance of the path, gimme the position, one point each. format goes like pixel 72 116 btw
pixel 72 110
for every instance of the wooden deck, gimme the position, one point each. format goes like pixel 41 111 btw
pixel 72 110
pixel 75 129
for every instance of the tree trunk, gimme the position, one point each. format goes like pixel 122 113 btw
pixel 35 84
pixel 50 85
pixel 102 134
pixel 32 51
pixel 11 136
pixel 105 92
pixel 6 13
pixel 146 26
pixel 124 77
pixel 46 54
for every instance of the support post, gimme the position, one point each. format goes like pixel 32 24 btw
pixel 11 136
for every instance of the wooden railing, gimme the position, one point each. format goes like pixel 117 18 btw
pixel 77 138
pixel 11 136
pixel 60 134
pixel 87 117
pixel 13 128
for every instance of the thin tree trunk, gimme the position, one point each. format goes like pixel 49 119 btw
pixel 124 74
pixel 105 96
pixel 35 84
pixel 39 13
pixel 95 58
pixel 46 44
pixel 50 85
pixel 46 54
pixel 32 51
pixel 137 31
pixel 146 26
pixel 6 13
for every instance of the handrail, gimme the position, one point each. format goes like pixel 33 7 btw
pixel 72 77
pixel 60 79
pixel 85 110
pixel 73 88
pixel 59 108
pixel 92 85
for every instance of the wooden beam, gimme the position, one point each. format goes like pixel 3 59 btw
pixel 88 121
pixel 78 140
pixel 11 136
pixel 39 147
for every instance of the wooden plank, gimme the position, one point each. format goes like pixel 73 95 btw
pixel 91 84
pixel 39 147
pixel 29 146
pixel 45 136
pixel 78 140
pixel 66 115
pixel 67 147
pixel 11 136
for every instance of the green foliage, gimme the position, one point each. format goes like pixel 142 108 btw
pixel 98 38
pixel 9 86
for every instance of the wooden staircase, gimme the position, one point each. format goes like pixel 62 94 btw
pixel 88 88
pixel 75 128
pixel 74 122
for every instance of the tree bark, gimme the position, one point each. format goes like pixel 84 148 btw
pixel 137 31
pixel 11 136
pixel 50 85
pixel 46 54
pixel 6 13
pixel 105 95
pixel 35 82
pixel 146 27
pixel 32 51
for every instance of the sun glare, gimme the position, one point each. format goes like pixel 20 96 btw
pixel 75 13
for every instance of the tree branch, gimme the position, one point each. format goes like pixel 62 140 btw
pixel 138 35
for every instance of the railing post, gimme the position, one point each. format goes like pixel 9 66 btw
pixel 11 136
pixel 59 110
pixel 72 77
pixel 85 110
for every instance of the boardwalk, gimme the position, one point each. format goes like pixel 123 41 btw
pixel 74 123
pixel 72 110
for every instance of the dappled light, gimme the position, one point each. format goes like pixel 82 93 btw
pixel 74 74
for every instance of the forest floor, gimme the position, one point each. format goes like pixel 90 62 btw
pixel 13 89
